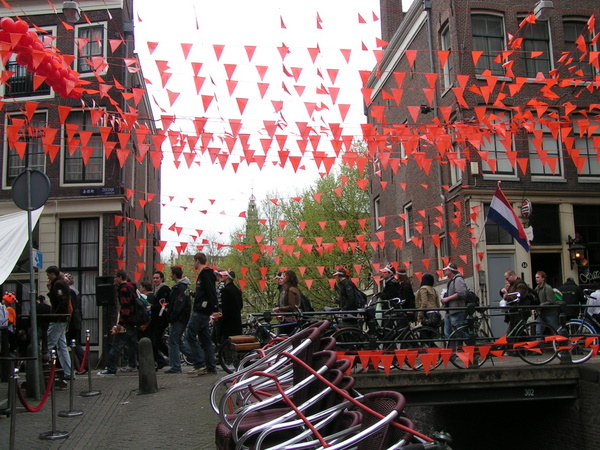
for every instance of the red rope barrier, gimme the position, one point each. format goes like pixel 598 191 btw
pixel 46 392
pixel 85 355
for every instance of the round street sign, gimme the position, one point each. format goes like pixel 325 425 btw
pixel 39 187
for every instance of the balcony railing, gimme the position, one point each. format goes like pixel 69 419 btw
pixel 21 83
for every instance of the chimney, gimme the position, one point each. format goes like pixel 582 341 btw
pixel 391 17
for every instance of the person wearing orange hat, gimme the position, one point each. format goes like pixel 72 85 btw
pixel 8 304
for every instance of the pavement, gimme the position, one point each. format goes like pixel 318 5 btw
pixel 177 416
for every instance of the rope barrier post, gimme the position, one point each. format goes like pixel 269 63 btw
pixel 12 389
pixel 90 392
pixel 71 412
pixel 53 434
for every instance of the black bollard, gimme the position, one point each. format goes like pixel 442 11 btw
pixel 71 412
pixel 54 433
pixel 14 380
pixel 90 392
pixel 147 371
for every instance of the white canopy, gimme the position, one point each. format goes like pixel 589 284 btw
pixel 13 239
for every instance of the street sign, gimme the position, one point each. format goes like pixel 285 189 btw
pixel 38 259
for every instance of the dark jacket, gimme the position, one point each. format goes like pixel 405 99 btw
pixel 391 289
pixel 346 295
pixel 572 298
pixel 59 296
pixel 231 308
pixel 180 304
pixel 158 321
pixel 205 301
pixel 126 295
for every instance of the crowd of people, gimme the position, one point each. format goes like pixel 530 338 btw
pixel 186 311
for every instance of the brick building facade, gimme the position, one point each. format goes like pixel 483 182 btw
pixel 470 93
pixel 105 190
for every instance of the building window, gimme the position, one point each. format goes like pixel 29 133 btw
pixel 536 49
pixel 447 69
pixel 496 144
pixel 442 251
pixel 31 134
pixel 545 220
pixel 376 206
pixel 488 37
pixel 455 168
pixel 494 234
pixel 21 84
pixel 90 44
pixel 79 255
pixel 545 156
pixel 573 30
pixel 586 132
pixel 83 160
pixel 409 222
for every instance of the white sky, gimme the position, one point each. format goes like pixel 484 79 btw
pixel 236 24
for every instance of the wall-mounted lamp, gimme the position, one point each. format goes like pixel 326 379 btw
pixel 543 9
pixel 71 11
pixel 576 250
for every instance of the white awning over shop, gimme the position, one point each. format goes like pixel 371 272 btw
pixel 13 239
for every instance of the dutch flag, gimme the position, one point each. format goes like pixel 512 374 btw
pixel 502 213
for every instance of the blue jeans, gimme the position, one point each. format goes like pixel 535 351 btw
pixel 198 345
pixel 549 316
pixel 453 321
pixel 175 344
pixel 127 340
pixel 57 338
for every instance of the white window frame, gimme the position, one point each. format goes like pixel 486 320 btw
pixel 456 175
pixel 482 65
pixel 585 146
pixel 65 149
pixel 6 152
pixel 530 40
pixel 571 47
pixel 376 209
pixel 448 69
pixel 409 222
pixel 553 146
pixel 3 91
pixel 497 149
pixel 104 40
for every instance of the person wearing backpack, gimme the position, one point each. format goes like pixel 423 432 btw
pixel 346 295
pixel 125 332
pixel 390 286
pixel 546 295
pixel 74 329
pixel 572 298
pixel 454 297
pixel 59 295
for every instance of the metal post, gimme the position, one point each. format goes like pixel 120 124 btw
pixel 565 355
pixel 12 389
pixel 90 392
pixel 71 412
pixel 53 434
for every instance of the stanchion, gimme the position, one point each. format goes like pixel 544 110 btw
pixel 72 412
pixel 12 389
pixel 90 392
pixel 53 434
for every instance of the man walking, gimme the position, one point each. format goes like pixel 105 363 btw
pixel 198 344
pixel 456 296
pixel 125 332
pixel 59 296
pixel 179 308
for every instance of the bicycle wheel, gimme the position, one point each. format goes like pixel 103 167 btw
pixel 463 337
pixel 229 358
pixel 350 339
pixel 423 339
pixel 583 336
pixel 530 344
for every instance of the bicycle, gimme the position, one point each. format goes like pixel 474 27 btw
pixel 527 339
pixel 581 334
pixel 390 332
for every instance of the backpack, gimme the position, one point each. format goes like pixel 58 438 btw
pixel 3 317
pixel 532 297
pixel 472 298
pixel 360 298
pixel 305 305
pixel 139 313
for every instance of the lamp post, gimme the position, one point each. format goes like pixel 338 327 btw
pixel 576 250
